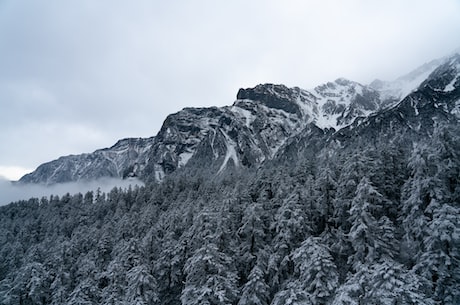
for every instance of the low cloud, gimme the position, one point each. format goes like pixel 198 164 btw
pixel 11 192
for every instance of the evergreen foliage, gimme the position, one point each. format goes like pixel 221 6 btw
pixel 358 224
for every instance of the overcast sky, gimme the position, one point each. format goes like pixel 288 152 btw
pixel 78 75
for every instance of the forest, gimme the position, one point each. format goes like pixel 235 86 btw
pixel 372 221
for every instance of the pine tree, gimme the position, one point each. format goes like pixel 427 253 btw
pixel 256 291
pixel 210 273
pixel 290 227
pixel 141 286
pixel 325 189
pixel 292 294
pixel 371 238
pixel 416 196
pixel 315 270
pixel 32 284
pixel 84 294
pixel 355 167
pixel 210 278
pixel 382 283
pixel 252 234
pixel 440 261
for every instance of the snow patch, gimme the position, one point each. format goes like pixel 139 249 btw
pixel 326 121
pixel 214 152
pixel 414 105
pixel 450 87
pixel 231 153
pixel 184 158
pixel 246 114
pixel 456 110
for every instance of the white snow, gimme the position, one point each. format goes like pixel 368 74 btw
pixel 414 105
pixel 341 92
pixel 277 147
pixel 231 153
pixel 214 152
pixel 184 158
pixel 450 87
pixel 327 121
pixel 247 115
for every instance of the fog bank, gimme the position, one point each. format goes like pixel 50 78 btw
pixel 10 192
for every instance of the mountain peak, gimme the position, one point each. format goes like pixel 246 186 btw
pixel 273 96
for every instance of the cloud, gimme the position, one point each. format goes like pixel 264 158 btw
pixel 10 192
pixel 79 75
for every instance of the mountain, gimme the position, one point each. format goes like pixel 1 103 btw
pixel 124 159
pixel 252 130
pixel 328 196
pixel 246 133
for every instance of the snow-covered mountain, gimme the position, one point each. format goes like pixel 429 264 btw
pixel 126 158
pixel 401 87
pixel 435 101
pixel 260 122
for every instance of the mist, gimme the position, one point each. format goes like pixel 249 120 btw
pixel 11 192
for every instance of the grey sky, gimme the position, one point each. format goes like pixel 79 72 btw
pixel 76 76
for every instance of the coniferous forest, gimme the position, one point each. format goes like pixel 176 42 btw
pixel 370 220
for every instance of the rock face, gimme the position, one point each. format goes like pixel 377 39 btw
pixel 126 158
pixel 264 120
pixel 274 96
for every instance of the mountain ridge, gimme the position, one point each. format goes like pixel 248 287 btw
pixel 247 133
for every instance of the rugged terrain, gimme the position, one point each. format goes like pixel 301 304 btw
pixel 252 130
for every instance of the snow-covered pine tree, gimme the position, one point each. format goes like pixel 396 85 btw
pixel 256 291
pixel 439 263
pixel 210 273
pixel 371 238
pixel 290 227
pixel 210 277
pixel 416 196
pixel 292 294
pixel 383 283
pixel 315 270
pixel 325 187
pixel 142 286
pixel 252 236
